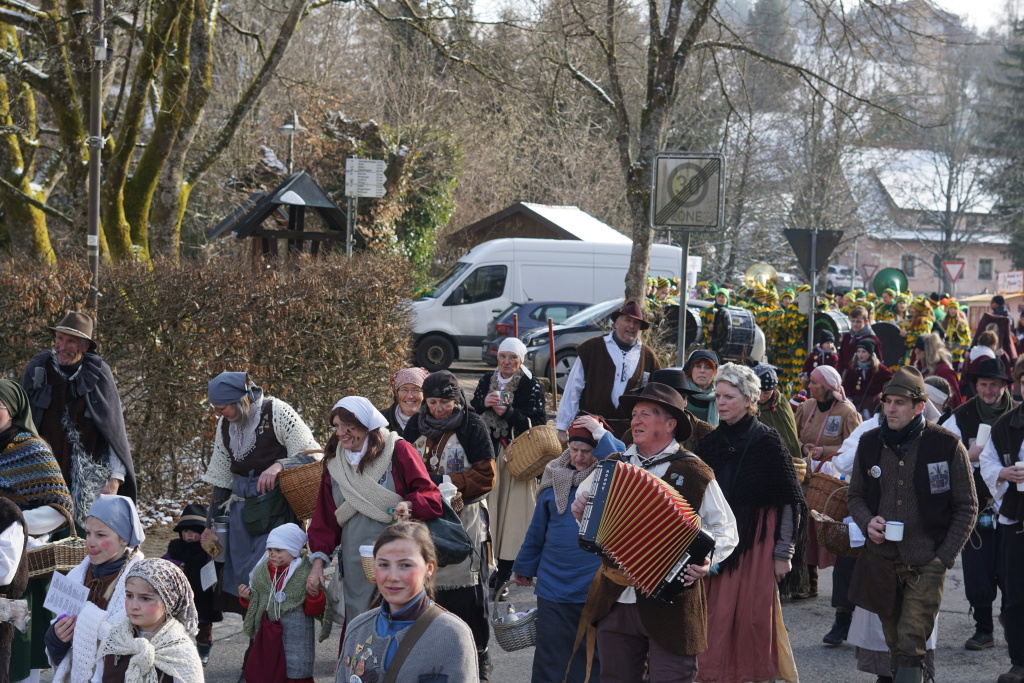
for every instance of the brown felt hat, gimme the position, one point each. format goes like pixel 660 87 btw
pixel 666 397
pixel 77 324
pixel 907 381
pixel 633 310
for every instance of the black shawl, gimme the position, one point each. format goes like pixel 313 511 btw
pixel 765 480
pixel 94 381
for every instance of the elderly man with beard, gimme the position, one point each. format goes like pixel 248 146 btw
pixel 631 629
pixel 918 474
pixel 77 408
pixel 982 574
pixel 1002 472
pixel 606 368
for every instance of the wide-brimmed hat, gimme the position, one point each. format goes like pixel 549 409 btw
pixel 908 382
pixel 77 324
pixel 193 518
pixel 633 310
pixel 666 397
pixel 991 368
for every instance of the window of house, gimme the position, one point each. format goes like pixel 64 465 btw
pixel 984 269
pixel 907 264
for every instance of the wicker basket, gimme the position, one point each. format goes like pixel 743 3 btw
pixel 528 454
pixel 369 569
pixel 834 536
pixel 820 498
pixel 518 634
pixel 300 486
pixel 61 556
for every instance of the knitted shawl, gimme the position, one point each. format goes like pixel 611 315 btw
pixel 765 480
pixel 295 597
pixel 30 476
pixel 363 492
pixel 92 627
pixel 560 475
pixel 170 650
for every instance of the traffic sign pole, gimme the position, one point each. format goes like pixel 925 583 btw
pixel 684 290
pixel 814 292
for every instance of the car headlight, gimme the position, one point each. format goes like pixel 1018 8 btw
pixel 538 341
pixel 530 355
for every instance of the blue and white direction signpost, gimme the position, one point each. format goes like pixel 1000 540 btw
pixel 688 195
pixel 363 178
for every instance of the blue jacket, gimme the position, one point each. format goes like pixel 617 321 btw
pixel 551 551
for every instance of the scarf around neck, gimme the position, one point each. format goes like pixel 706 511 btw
pixel 496 424
pixel 703 396
pixel 169 651
pixel 990 413
pixel 562 477
pixel 896 437
pixel 242 434
pixel 433 428
pixel 363 492
pixel 623 346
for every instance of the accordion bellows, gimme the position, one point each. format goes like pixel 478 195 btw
pixel 645 527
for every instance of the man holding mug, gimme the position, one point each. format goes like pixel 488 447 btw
pixel 1003 471
pixel 916 473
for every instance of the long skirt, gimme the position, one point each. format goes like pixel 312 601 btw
pixel 244 550
pixel 747 639
pixel 511 507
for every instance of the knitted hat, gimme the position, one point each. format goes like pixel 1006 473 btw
pixel 663 282
pixel 907 381
pixel 921 306
pixel 868 344
pixel 804 288
pixel 585 435
pixel 700 354
pixel 889 290
pixel 826 336
pixel 666 397
pixel 193 518
pixel 703 283
pixel 766 373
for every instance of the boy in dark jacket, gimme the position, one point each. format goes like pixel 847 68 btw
pixel 186 552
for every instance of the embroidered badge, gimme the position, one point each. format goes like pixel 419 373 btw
pixel 832 425
pixel 938 477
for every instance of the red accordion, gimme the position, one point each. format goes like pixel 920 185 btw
pixel 645 527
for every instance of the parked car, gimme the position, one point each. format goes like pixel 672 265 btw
pixel 843 277
pixel 532 315
pixel 594 321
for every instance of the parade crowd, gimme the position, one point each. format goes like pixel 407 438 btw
pixel 420 525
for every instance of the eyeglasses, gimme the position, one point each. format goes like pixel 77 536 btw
pixel 410 392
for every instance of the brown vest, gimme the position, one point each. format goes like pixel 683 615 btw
pixel 680 628
pixel 599 373
pixel 267 450
pixel 51 426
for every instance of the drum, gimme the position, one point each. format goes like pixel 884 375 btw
pixel 834 321
pixel 694 327
pixel 894 346
pixel 734 334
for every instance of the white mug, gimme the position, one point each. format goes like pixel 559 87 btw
pixel 894 531
pixel 1020 486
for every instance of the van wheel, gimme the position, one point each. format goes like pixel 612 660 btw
pixel 434 353
pixel 564 361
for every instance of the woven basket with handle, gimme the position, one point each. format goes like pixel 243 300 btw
pixel 516 635
pixel 61 556
pixel 300 486
pixel 834 536
pixel 819 495
pixel 528 454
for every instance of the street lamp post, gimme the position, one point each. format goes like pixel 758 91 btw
pixel 291 128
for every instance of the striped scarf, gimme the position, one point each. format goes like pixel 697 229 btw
pixel 30 476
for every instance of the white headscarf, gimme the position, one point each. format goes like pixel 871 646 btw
pixel 370 417
pixel 519 348
pixel 288 537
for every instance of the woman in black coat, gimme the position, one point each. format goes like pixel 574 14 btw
pixel 510 400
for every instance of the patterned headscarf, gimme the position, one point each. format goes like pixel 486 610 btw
pixel 170 584
pixel 413 376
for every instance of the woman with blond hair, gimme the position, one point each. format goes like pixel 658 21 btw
pixel 934 359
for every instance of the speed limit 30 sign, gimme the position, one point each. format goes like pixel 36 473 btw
pixel 688 191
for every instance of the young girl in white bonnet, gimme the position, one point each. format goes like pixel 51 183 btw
pixel 113 535
pixel 153 643
pixel 282 612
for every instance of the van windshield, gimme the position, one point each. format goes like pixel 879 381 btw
pixel 450 276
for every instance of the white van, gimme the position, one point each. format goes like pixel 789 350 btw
pixel 451 321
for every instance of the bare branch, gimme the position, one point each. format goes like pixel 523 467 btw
pixel 29 199
pixel 35 77
pixel 246 34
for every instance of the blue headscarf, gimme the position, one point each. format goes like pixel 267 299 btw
pixel 228 387
pixel 119 513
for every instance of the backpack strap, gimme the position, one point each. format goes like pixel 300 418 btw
pixel 417 629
